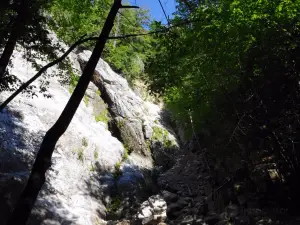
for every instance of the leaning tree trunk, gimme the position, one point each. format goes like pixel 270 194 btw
pixel 17 30
pixel 36 180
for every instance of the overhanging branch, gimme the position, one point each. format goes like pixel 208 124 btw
pixel 129 7
pixel 25 85
pixel 77 43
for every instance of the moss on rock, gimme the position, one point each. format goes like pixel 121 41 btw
pixel 162 135
pixel 103 117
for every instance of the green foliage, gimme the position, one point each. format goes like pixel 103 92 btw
pixel 92 168
pixel 84 142
pixel 98 92
pixel 117 173
pixel 218 54
pixel 128 56
pixel 33 37
pixel 103 117
pixel 234 74
pixel 118 166
pixel 114 205
pixel 98 221
pixel 161 134
pixel 72 19
pixel 125 155
pixel 121 123
pixel 80 154
pixel 86 100
pixel 96 154
pixel 73 80
pixel 148 143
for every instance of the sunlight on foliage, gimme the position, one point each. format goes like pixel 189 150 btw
pixel 102 117
pixel 86 100
pixel 161 134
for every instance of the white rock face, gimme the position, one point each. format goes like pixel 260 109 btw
pixel 134 117
pixel 80 182
pixel 125 101
pixel 67 192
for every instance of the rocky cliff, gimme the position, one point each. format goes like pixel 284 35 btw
pixel 104 166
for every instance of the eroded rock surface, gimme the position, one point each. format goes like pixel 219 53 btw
pixel 93 172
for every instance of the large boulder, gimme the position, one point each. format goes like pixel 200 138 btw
pixel 134 120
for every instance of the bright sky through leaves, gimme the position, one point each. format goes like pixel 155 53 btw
pixel 155 8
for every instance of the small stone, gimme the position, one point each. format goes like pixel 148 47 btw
pixel 152 211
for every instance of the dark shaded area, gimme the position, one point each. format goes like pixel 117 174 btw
pixel 49 211
pixel 243 97
pixel 17 153
pixel 23 22
pixel 121 191
pixel 193 196
pixel 16 156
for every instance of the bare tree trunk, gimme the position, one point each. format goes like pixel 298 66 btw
pixel 36 180
pixel 17 30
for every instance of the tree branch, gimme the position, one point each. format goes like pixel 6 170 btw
pixel 77 43
pixel 42 163
pixel 25 85
pixel 129 7
pixel 164 11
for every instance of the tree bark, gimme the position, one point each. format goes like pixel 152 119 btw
pixel 36 180
pixel 16 32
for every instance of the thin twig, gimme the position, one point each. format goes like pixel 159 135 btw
pixel 217 189
pixel 283 152
pixel 233 133
pixel 164 11
pixel 81 41
pixel 25 85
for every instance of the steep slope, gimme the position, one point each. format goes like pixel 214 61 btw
pixel 91 169
pixel 85 145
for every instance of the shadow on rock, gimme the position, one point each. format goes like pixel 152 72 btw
pixel 18 147
pixel 121 190
pixel 50 211
pixel 17 153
